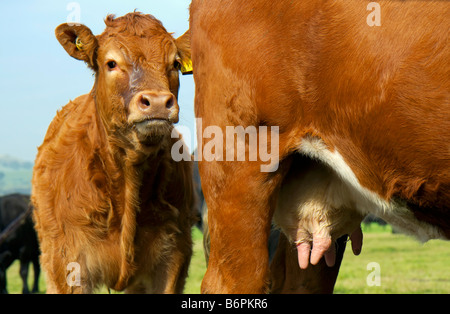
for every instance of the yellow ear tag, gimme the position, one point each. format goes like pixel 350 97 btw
pixel 79 44
pixel 186 67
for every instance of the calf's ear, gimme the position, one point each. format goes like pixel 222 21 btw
pixel 184 51
pixel 79 42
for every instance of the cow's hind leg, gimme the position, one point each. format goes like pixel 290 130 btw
pixel 287 277
pixel 6 259
pixel 240 208
pixel 24 275
pixel 37 271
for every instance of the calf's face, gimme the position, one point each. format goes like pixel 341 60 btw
pixel 136 62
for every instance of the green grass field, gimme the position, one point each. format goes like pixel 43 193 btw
pixel 405 266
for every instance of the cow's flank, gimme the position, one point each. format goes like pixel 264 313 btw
pixel 363 115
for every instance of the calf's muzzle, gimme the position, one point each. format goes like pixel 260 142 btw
pixel 152 105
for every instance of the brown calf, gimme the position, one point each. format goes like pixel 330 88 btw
pixel 112 207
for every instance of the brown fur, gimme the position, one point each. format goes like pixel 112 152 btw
pixel 106 196
pixel 377 95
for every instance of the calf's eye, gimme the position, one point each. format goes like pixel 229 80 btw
pixel 111 64
pixel 177 64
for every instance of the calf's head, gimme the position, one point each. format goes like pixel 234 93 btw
pixel 136 63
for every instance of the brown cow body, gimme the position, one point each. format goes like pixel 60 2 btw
pixel 108 195
pixel 367 108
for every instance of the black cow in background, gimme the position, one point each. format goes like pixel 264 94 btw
pixel 21 242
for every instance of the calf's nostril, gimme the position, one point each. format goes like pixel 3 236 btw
pixel 145 101
pixel 170 102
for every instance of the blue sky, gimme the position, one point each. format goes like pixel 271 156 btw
pixel 37 77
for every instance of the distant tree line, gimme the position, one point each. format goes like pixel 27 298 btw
pixel 15 175
pixel 14 163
